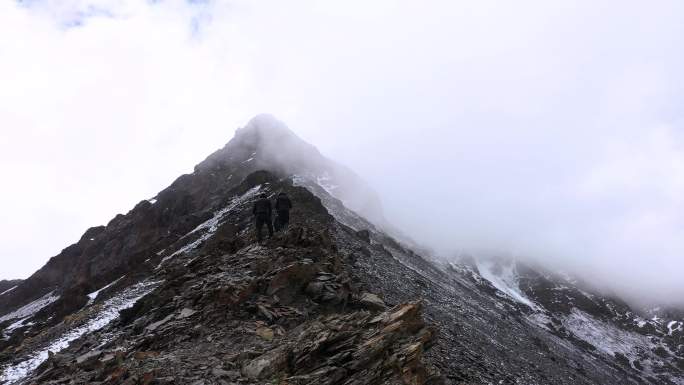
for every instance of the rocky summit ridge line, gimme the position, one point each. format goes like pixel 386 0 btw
pixel 178 291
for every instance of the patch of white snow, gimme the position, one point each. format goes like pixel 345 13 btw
pixel 325 181
pixel 8 290
pixel 211 225
pixel 671 327
pixel 605 337
pixel 8 331
pixel 94 294
pixel 506 282
pixel 110 311
pixel 32 308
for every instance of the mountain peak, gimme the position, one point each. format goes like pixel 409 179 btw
pixel 273 143
pixel 265 127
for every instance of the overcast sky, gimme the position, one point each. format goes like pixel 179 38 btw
pixel 546 129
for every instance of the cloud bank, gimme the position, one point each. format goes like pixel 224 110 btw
pixel 545 130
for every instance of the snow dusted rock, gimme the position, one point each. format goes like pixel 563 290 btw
pixel 210 300
pixel 32 308
pixel 178 291
pixel 598 326
pixel 8 286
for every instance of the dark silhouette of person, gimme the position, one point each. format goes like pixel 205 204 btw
pixel 283 206
pixel 263 212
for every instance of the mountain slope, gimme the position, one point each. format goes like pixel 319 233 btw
pixel 226 307
pixel 178 291
pixel 7 286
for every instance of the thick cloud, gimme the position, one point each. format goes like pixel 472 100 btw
pixel 550 130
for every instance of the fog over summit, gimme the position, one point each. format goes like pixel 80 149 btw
pixel 548 131
pixel 269 144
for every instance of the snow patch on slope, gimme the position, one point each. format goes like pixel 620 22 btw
pixel 8 330
pixel 640 322
pixel 8 290
pixel 674 326
pixel 94 294
pixel 605 337
pixel 211 225
pixel 326 182
pixel 333 204
pixel 32 308
pixel 506 281
pixel 110 311
pixel 251 158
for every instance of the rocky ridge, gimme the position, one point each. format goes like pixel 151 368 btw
pixel 233 311
pixel 178 291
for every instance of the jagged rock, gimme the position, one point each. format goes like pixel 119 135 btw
pixel 372 301
pixel 265 333
pixel 185 313
pixel 88 359
pixel 266 365
pixel 288 281
pixel 153 326
pixel 107 358
pixel 407 314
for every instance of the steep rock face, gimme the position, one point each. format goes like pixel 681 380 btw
pixel 106 252
pixel 221 307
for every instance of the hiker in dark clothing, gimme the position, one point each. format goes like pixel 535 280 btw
pixel 263 213
pixel 283 206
